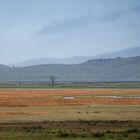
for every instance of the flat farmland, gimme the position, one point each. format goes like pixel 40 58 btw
pixel 69 104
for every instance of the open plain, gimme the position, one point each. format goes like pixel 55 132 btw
pixel 69 104
pixel 69 113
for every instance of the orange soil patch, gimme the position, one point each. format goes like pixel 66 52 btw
pixel 29 98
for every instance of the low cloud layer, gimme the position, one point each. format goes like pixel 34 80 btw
pixel 52 28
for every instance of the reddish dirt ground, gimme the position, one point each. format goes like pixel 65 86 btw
pixel 29 98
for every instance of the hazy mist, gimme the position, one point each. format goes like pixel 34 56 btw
pixel 65 28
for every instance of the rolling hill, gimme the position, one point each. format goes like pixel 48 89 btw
pixel 130 52
pixel 40 61
pixel 121 69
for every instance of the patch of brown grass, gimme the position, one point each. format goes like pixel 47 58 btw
pixel 26 98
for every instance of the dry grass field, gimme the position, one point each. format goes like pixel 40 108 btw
pixel 30 98
pixel 72 114
pixel 69 104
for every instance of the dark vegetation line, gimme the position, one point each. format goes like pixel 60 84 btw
pixel 124 130
pixel 58 84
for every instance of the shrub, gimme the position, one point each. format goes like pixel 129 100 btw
pixel 134 130
pixel 99 134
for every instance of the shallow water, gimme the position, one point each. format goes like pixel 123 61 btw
pixel 113 96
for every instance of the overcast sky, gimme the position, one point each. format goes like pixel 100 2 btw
pixel 64 28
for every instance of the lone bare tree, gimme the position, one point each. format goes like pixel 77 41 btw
pixel 52 78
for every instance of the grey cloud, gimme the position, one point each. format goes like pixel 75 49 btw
pixel 66 25
pixel 136 9
pixel 81 22
pixel 115 16
pixel 76 23
pixel 6 27
pixel 109 18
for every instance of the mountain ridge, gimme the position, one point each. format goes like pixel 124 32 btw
pixel 130 52
pixel 119 69
pixel 45 60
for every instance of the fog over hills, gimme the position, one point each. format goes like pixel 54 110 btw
pixel 120 69
pixel 39 61
pixel 130 52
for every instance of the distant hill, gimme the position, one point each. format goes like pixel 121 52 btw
pixel 121 69
pixel 130 52
pixel 4 67
pixel 39 61
pixel 3 72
